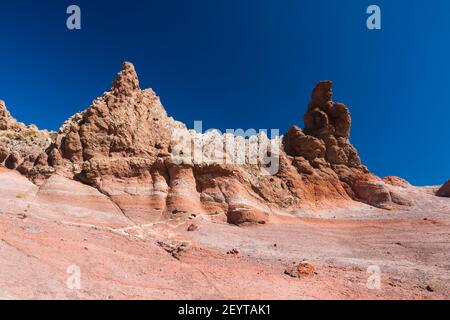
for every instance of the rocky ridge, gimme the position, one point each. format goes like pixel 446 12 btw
pixel 444 191
pixel 122 145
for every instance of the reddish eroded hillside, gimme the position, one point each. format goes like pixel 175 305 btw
pixel 45 231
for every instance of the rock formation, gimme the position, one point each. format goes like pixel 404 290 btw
pixel 444 191
pixel 122 146
pixel 23 147
pixel 325 143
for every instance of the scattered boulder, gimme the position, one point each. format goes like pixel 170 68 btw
pixel 42 160
pixel 374 193
pixel 6 120
pixel 233 252
pixel 127 81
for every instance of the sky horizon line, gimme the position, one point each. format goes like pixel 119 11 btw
pixel 246 64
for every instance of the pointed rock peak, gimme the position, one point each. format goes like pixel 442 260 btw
pixel 322 93
pixel 127 80
pixel 324 117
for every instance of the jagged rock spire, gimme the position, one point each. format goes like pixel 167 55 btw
pixel 444 191
pixel 4 114
pixel 322 95
pixel 325 117
pixel 127 80
pixel 327 131
pixel 125 122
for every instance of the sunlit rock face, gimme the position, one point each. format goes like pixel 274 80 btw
pixel 444 190
pixel 124 145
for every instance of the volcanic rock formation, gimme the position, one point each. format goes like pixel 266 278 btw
pixel 444 191
pixel 325 145
pixel 122 146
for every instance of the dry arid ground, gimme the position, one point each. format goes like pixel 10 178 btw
pixel 46 230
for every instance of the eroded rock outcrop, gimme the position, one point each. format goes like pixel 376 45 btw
pixel 7 122
pixel 23 147
pixel 444 191
pixel 122 146
pixel 330 122
pixel 125 123
pixel 325 143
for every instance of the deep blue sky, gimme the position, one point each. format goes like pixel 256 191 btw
pixel 246 64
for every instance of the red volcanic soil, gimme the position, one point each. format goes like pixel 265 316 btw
pixel 46 230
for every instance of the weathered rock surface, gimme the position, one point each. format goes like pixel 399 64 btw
pixel 7 122
pixel 104 195
pixel 325 144
pixel 444 191
pixel 23 147
pixel 122 145
pixel 396 181
pixel 303 269
pixel 330 122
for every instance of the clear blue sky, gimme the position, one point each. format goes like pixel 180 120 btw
pixel 246 64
